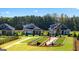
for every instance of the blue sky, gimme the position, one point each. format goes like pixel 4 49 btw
pixel 10 12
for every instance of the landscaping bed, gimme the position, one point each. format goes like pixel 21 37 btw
pixel 38 41
pixel 35 41
pixel 41 41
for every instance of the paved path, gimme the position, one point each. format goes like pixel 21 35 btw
pixel 23 39
pixel 52 39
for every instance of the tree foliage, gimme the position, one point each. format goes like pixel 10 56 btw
pixel 43 22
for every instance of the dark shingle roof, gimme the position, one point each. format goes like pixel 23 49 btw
pixel 30 26
pixel 6 27
pixel 53 26
pixel 62 26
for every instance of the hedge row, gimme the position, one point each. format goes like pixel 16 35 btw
pixel 5 39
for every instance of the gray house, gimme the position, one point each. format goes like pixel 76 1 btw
pixel 59 29
pixel 6 29
pixel 30 28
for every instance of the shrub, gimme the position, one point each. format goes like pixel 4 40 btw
pixel 78 37
pixel 22 33
pixel 75 34
pixel 69 34
pixel 48 34
pixel 56 34
pixel 38 43
pixel 7 39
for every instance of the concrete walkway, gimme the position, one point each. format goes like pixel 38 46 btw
pixel 51 40
pixel 23 39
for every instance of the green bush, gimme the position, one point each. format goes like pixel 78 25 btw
pixel 48 34
pixel 69 35
pixel 75 34
pixel 78 37
pixel 22 33
pixel 4 39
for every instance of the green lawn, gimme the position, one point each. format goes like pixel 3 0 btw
pixel 60 40
pixel 27 41
pixel 35 39
pixel 42 39
pixel 38 39
pixel 68 46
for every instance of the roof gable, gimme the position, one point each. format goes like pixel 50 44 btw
pixel 30 26
pixel 6 27
pixel 63 27
pixel 58 25
pixel 53 26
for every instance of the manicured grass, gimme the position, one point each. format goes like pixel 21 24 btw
pixel 38 39
pixel 68 46
pixel 42 39
pixel 27 41
pixel 35 39
pixel 60 40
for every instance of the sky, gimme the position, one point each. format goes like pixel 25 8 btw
pixel 11 12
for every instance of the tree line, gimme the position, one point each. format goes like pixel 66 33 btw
pixel 43 22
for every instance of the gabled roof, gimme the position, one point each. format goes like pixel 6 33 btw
pixel 30 26
pixel 58 25
pixel 6 27
pixel 62 26
pixel 53 26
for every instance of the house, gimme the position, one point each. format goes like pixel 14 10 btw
pixel 6 29
pixel 31 28
pixel 58 29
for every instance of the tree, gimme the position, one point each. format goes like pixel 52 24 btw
pixel 42 22
pixel 75 34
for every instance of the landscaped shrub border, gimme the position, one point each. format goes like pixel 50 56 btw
pixel 5 39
